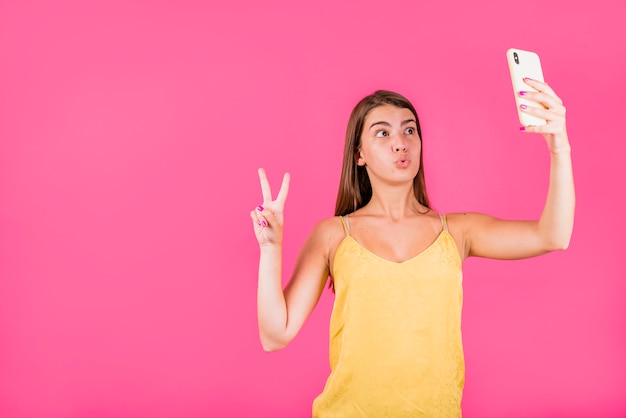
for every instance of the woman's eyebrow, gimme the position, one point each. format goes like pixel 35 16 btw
pixel 380 123
pixel 388 124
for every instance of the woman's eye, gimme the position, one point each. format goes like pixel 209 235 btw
pixel 410 131
pixel 382 134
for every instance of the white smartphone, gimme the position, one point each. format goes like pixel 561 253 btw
pixel 524 64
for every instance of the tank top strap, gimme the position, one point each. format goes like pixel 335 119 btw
pixel 345 223
pixel 444 221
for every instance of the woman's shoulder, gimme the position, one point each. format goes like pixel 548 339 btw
pixel 330 233
pixel 326 236
pixel 466 220
pixel 331 226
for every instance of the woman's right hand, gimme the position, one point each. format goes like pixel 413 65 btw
pixel 268 218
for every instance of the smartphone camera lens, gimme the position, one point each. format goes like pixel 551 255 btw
pixel 516 58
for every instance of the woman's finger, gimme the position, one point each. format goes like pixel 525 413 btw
pixel 542 113
pixel 555 121
pixel 544 88
pixel 546 100
pixel 284 189
pixel 551 128
pixel 257 218
pixel 261 217
pixel 265 186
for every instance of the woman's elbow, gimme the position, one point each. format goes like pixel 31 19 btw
pixel 559 244
pixel 272 344
pixel 271 347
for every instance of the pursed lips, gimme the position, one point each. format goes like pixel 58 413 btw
pixel 402 161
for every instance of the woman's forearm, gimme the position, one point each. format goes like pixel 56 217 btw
pixel 271 305
pixel 557 219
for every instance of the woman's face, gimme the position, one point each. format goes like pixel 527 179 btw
pixel 390 145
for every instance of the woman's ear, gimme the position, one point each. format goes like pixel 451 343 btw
pixel 360 160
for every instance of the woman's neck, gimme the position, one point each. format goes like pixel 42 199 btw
pixel 395 203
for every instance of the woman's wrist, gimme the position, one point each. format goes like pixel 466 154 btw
pixel 271 247
pixel 560 146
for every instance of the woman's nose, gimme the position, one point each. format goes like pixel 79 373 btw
pixel 399 145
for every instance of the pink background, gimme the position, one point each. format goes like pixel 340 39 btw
pixel 130 135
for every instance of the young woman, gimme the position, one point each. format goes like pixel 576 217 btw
pixel 395 264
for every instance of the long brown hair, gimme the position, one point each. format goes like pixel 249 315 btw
pixel 355 189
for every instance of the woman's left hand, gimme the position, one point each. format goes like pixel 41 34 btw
pixel 552 110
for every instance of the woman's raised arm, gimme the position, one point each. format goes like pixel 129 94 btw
pixel 485 236
pixel 281 314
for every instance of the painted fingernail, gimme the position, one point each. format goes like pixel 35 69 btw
pixel 523 106
pixel 264 223
pixel 522 128
pixel 522 93
pixel 259 208
pixel 527 78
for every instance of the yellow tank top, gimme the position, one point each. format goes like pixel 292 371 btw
pixel 395 334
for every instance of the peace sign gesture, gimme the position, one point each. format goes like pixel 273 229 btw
pixel 268 218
